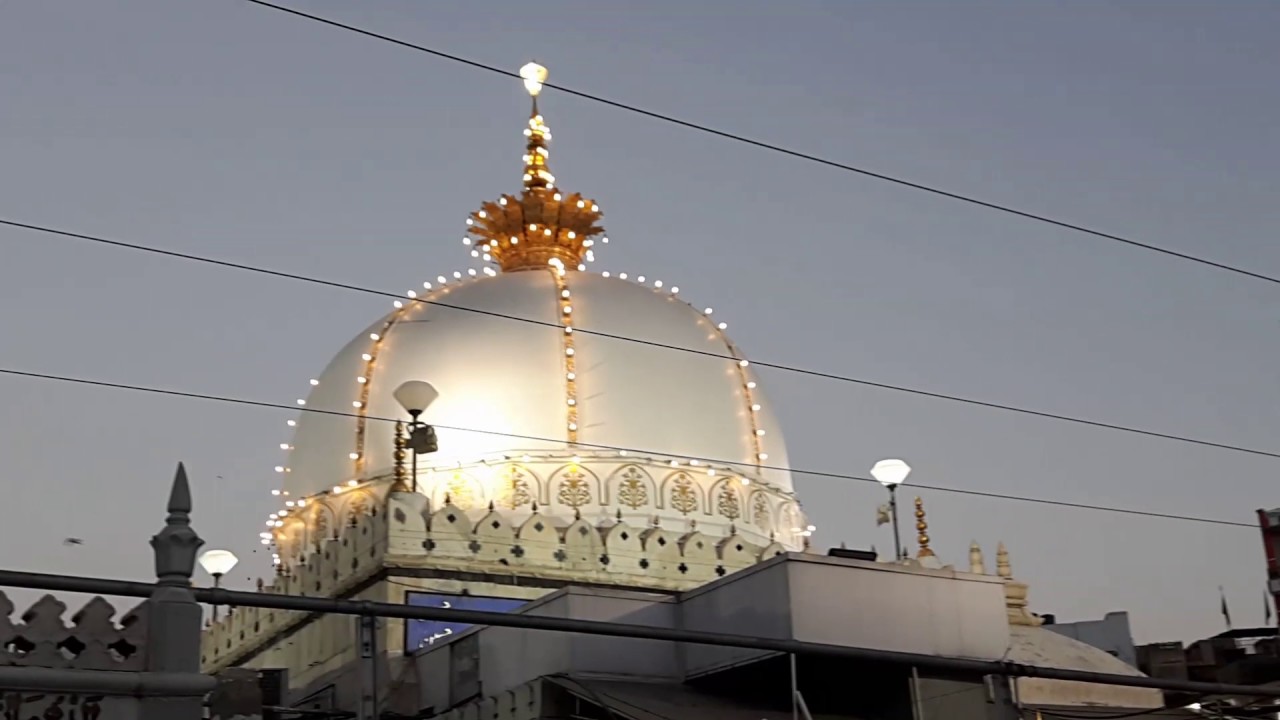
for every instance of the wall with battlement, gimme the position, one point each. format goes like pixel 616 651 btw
pixel 403 539
pixel 89 639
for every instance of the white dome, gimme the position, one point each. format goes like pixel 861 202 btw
pixel 505 397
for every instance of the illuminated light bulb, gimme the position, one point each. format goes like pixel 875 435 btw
pixel 273 516
pixel 487 257
pixel 546 231
pixel 657 283
pixel 572 402
pixel 588 243
pixel 352 482
pixel 576 459
pixel 515 240
pixel 604 240
pixel 315 381
pixel 708 311
pixel 751 385
pixel 527 176
pixel 354 456
pixel 581 204
pixel 501 201
pixel 533 226
pixel 571 376
pixel 564 293
pixel 457 275
pixel 442 279
pixel 640 279
pixel 674 463
pixel 760 432
pixel 582 267
pixel 745 481
pixel 567 310
pixel 372 336
pixel 623 453
pixel 302 503
pixel 270 523
pixel 568 331
pixel 279 523
pixel 412 294
pixel 284 446
pixel 265 541
pixel 490 272
pixel 573 426
pixel 289 503
pixel 674 289
pixel 275 492
pixel 291 423
pixel 283 512
pixel 595 207
pixel 398 304
pixel 723 326
pixel 622 276
pixel 694 463
pixel 471 272
pixel 604 274
pixel 337 488
pixel 264 535
pixel 482 212
pixel 557 195
pixel 591 256
pixel 755 407
pixel 525 458
pixel 426 286
pixel 366 357
pixel 356 404
pixel 743 363
pixel 573 235
pixel 301 401
pixel 711 472
pixel 763 456
pixel 568 351
pixel 469 222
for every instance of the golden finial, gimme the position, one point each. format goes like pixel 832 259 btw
pixel 1003 568
pixel 977 565
pixel 922 527
pixel 401 481
pixel 543 226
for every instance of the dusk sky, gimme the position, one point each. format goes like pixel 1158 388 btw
pixel 226 129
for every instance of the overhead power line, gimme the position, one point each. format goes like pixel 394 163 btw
pixel 967 199
pixel 612 448
pixel 666 346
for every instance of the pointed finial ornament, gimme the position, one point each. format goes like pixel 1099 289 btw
pixel 176 544
pixel 922 527
pixel 977 565
pixel 619 515
pixel 1003 568
pixel 542 227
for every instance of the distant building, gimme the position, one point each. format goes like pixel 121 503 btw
pixel 1111 634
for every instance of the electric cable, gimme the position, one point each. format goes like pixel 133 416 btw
pixel 191 257
pixel 967 199
pixel 615 448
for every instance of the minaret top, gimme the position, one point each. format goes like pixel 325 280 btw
pixel 542 227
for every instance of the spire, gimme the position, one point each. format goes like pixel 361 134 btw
pixel 542 227
pixel 977 565
pixel 922 527
pixel 1003 568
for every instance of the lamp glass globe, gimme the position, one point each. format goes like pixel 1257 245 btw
pixel 415 396
pixel 890 473
pixel 218 562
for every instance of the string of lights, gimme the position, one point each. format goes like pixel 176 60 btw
pixel 621 450
pixel 726 135
pixel 412 297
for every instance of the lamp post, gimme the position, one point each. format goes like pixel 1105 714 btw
pixel 218 563
pixel 415 396
pixel 891 474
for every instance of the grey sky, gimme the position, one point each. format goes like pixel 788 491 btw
pixel 226 129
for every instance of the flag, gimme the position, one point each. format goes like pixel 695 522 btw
pixel 1226 614
pixel 882 515
pixel 1266 604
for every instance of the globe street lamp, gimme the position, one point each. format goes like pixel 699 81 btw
pixel 218 563
pixel 891 474
pixel 415 396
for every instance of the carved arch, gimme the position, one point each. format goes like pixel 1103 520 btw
pixel 761 510
pixel 727 499
pixel 682 493
pixel 515 485
pixel 464 491
pixel 574 486
pixel 631 487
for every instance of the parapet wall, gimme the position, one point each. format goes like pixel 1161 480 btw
pixel 91 639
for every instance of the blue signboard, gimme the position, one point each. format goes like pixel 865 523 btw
pixel 425 633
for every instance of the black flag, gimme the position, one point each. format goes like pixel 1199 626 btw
pixel 1226 614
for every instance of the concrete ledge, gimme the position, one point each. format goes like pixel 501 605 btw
pixel 107 682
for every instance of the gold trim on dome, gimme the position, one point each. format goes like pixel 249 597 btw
pixel 542 226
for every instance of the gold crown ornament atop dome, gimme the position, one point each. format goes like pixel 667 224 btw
pixel 543 226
